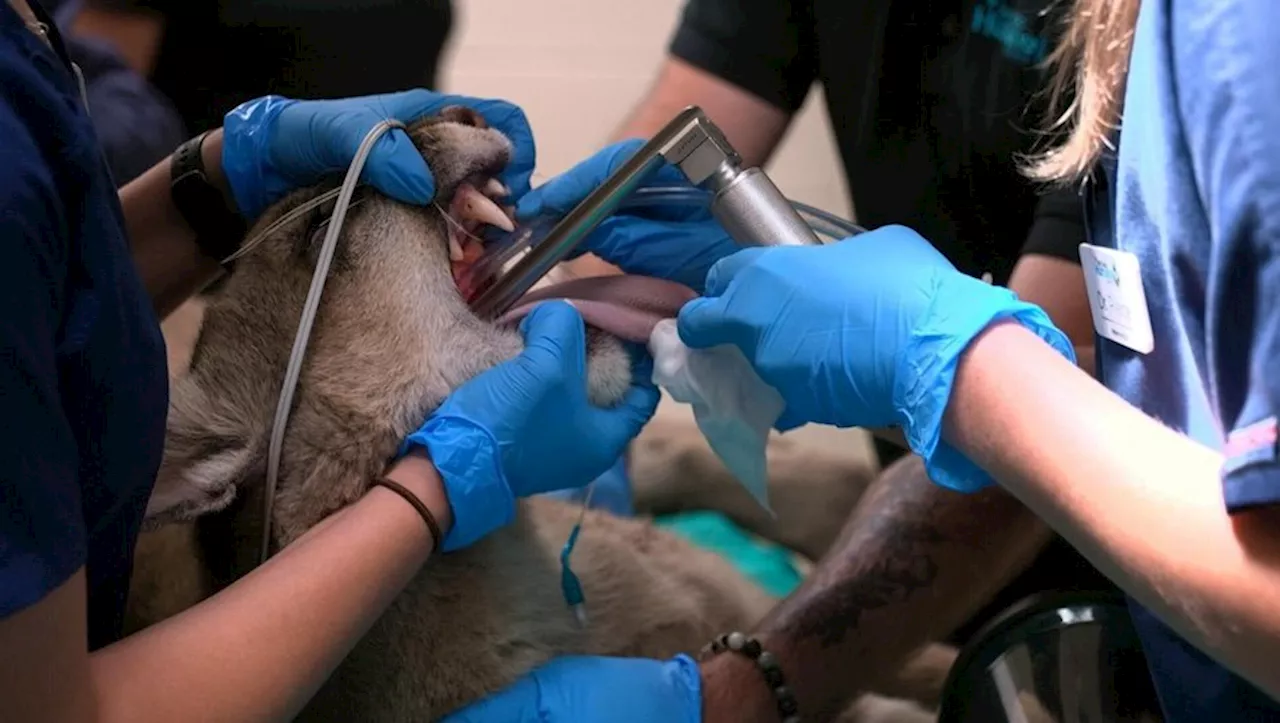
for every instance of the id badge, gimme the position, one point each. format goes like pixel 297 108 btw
pixel 1113 280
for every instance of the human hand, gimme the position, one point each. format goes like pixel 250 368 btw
pixel 272 145
pixel 865 332
pixel 526 426
pixel 596 690
pixel 670 241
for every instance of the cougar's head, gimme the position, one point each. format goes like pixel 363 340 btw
pixel 393 336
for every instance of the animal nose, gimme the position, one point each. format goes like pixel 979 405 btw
pixel 464 115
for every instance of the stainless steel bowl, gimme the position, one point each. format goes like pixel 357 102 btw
pixel 1054 658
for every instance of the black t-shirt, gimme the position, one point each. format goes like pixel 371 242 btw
pixel 216 55
pixel 930 101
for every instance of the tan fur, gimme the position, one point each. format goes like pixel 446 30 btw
pixel 817 474
pixel 391 340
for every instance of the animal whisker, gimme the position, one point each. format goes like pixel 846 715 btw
pixel 301 209
pixel 456 224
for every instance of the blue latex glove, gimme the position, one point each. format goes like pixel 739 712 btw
pixel 596 690
pixel 865 332
pixel 273 145
pixel 526 426
pixel 673 242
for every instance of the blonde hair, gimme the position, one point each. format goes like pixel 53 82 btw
pixel 1091 63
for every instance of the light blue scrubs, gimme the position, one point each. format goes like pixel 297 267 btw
pixel 1195 194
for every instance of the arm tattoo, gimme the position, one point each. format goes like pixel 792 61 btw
pixel 904 567
pixel 890 550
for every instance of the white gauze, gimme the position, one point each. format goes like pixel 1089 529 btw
pixel 733 407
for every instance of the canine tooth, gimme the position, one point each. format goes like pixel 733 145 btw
pixel 494 188
pixel 478 207
pixel 455 246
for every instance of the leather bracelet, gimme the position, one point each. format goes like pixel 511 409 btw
pixel 745 645
pixel 412 499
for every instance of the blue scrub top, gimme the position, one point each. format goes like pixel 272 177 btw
pixel 1194 192
pixel 83 383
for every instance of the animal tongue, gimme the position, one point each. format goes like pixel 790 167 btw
pixel 627 307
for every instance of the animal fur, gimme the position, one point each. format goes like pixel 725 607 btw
pixel 392 339
pixel 817 474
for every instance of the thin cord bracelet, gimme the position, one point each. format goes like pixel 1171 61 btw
pixel 418 505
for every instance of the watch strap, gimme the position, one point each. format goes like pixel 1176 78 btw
pixel 219 229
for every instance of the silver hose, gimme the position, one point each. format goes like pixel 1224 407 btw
pixel 309 309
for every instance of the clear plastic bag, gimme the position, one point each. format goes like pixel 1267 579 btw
pixel 733 407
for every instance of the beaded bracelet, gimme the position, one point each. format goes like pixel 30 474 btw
pixel 748 646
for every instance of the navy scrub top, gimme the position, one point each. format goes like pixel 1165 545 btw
pixel 1194 193
pixel 83 383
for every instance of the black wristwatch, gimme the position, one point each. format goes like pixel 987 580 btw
pixel 219 230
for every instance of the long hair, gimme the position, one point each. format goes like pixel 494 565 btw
pixel 1090 64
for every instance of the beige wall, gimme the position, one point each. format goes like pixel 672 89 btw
pixel 578 66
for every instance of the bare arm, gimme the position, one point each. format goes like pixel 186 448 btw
pixel 1144 505
pixel 257 651
pixel 1057 286
pixel 164 247
pixel 913 563
pixel 753 126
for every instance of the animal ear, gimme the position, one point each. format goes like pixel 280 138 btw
pixel 207 485
pixel 205 460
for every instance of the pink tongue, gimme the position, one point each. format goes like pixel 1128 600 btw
pixel 627 307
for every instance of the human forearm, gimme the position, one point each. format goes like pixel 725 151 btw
pixel 1140 501
pixel 260 649
pixel 1084 360
pixel 164 247
pixel 753 126
pixel 1057 287
pixel 913 562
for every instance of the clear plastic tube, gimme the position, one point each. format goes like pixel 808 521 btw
pixel 503 249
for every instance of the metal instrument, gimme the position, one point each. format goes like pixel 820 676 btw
pixel 744 201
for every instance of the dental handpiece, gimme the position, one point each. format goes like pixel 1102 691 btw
pixel 745 201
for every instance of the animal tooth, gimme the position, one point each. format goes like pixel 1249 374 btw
pixel 479 207
pixel 455 247
pixel 494 189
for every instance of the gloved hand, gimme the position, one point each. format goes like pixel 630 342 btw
pixel 669 241
pixel 865 332
pixel 596 690
pixel 526 426
pixel 272 145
